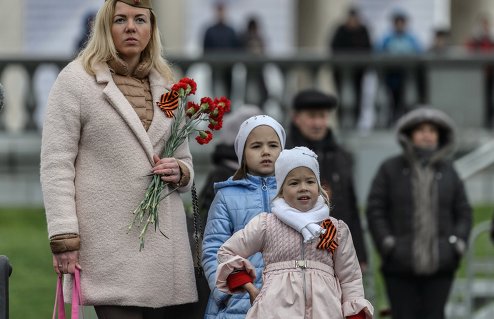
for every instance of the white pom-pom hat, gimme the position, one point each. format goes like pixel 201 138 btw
pixel 299 156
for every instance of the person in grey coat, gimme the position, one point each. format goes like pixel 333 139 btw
pixel 419 216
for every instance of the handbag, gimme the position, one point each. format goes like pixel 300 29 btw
pixel 201 281
pixel 76 297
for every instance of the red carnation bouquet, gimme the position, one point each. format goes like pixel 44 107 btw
pixel 187 118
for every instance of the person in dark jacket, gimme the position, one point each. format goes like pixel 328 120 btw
pixel 221 38
pixel 419 216
pixel 351 37
pixel 309 127
pixel 400 41
pixel 87 26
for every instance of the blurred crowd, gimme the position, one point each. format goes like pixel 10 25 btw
pixel 352 37
pixel 369 98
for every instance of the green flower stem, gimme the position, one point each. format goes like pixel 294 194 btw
pixel 147 211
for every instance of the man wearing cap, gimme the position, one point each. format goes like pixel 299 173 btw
pixel 309 127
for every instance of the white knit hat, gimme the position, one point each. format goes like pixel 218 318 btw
pixel 250 124
pixel 293 158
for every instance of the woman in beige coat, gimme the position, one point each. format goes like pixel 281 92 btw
pixel 101 135
pixel 311 271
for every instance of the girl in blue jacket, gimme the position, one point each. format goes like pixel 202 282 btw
pixel 247 193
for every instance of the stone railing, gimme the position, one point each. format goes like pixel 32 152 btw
pixel 456 84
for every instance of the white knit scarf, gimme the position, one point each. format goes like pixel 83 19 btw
pixel 306 223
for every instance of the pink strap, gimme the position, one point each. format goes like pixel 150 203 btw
pixel 76 297
pixel 59 301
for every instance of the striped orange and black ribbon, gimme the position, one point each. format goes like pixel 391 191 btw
pixel 168 102
pixel 328 241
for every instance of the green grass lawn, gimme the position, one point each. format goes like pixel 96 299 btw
pixel 24 239
pixel 483 248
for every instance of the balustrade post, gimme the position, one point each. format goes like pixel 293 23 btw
pixel 30 99
pixel 5 271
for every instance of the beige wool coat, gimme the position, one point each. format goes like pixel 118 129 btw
pixel 95 156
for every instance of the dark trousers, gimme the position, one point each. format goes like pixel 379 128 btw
pixel 418 297
pixel 222 81
pixel 489 103
pixel 395 83
pixel 124 312
pixel 356 80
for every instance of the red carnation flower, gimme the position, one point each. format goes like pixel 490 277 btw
pixel 216 113
pixel 188 86
pixel 204 137
pixel 215 125
pixel 207 104
pixel 192 108
pixel 223 103
pixel 191 83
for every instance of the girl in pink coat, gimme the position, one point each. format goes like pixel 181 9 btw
pixel 312 270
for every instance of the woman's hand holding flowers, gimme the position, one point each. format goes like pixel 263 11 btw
pixel 168 169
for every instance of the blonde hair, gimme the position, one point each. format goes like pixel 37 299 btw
pixel 100 46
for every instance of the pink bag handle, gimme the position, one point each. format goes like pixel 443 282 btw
pixel 76 297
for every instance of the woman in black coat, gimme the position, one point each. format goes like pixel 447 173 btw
pixel 419 216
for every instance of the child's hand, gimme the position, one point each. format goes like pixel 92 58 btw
pixel 252 290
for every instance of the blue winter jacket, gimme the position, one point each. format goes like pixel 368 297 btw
pixel 234 205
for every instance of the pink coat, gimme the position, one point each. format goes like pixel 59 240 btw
pixel 300 281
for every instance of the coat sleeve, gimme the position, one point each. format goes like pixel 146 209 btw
pixel 59 149
pixel 183 154
pixel 206 195
pixel 347 270
pixel 233 254
pixel 219 227
pixel 355 224
pixel 377 213
pixel 335 42
pixel 462 210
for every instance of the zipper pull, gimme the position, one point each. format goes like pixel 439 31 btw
pixel 264 186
